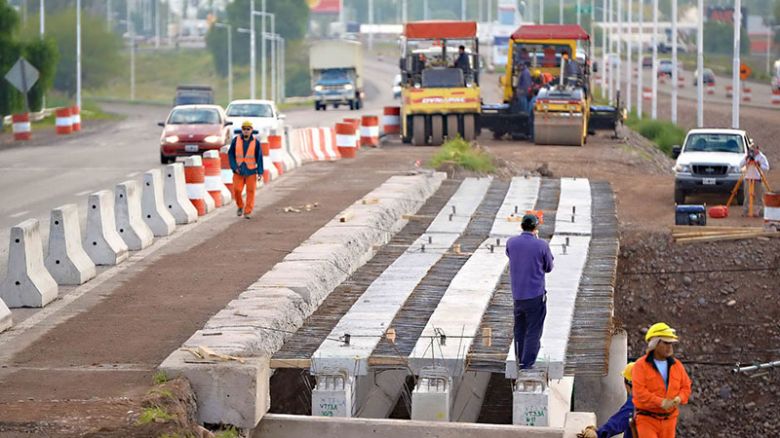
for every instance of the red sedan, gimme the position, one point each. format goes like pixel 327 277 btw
pixel 191 130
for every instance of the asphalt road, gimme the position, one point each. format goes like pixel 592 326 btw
pixel 35 179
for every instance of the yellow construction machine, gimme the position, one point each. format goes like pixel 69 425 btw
pixel 439 98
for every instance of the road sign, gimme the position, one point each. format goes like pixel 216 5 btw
pixel 22 75
pixel 744 71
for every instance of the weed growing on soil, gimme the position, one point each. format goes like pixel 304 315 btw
pixel 463 154
pixel 160 377
pixel 154 414
pixel 230 432
pixel 664 134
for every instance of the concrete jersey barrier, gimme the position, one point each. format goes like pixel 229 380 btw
pixel 175 195
pixel 129 222
pixel 102 242
pixel 27 282
pixel 67 261
pixel 156 216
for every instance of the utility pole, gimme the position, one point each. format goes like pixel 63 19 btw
pixel 560 11
pixel 579 5
pixel 619 40
pixel 43 20
pixel 131 35
pixel 78 53
pixel 229 29
pixel 404 11
pixel 611 44
pixel 735 96
pixel 674 61
pixel 462 10
pixel 629 65
pixel 640 62
pixel 156 24
pixel 700 65
pixel 263 66
pixel 371 22
pixel 603 48
pixel 252 50
pixel 654 108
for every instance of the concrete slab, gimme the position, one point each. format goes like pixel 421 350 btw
pixel 520 198
pixel 27 282
pixel 574 208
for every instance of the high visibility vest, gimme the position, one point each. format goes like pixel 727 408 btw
pixel 246 157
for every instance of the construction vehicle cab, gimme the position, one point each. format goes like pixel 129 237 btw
pixel 439 98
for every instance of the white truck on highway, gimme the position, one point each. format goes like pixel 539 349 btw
pixel 336 68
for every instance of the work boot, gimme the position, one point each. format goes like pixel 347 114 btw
pixel 239 211
pixel 246 216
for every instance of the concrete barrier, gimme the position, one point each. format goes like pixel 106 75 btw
pixel 156 216
pixel 27 282
pixel 129 222
pixel 102 242
pixel 291 160
pixel 67 261
pixel 5 317
pixel 175 195
pixel 237 393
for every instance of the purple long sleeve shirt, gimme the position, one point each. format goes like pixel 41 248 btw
pixel 529 259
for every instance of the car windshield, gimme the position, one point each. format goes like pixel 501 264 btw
pixel 250 110
pixel 335 75
pixel 442 78
pixel 194 116
pixel 714 143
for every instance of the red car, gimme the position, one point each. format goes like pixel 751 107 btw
pixel 192 130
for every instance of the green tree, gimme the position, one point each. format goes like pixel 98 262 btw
pixel 101 50
pixel 10 50
pixel 719 38
pixel 42 54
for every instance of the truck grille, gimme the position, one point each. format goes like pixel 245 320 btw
pixel 709 170
pixel 332 87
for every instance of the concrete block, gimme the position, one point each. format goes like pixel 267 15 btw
pixel 227 392
pixel 129 222
pixel 102 242
pixel 5 317
pixel 312 280
pixel 290 158
pixel 334 396
pixel 432 398
pixel 157 217
pixel 67 261
pixel 27 282
pixel 175 195
pixel 530 403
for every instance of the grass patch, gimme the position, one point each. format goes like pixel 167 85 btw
pixel 230 432
pixel 154 415
pixel 160 377
pixel 461 153
pixel 663 133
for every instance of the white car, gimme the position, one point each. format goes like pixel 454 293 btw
pixel 263 114
pixel 709 162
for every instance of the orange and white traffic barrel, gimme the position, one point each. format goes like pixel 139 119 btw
pixel 772 210
pixel 213 176
pixel 328 136
pixel 345 140
pixel 317 142
pixel 729 90
pixel 225 172
pixel 63 123
pixel 747 94
pixel 269 170
pixel 647 93
pixel 75 118
pixel 391 120
pixel 276 153
pixel 356 124
pixel 369 131
pixel 195 177
pixel 21 126
pixel 680 82
pixel 775 98
pixel 710 89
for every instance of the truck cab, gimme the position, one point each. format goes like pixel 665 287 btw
pixel 709 161
pixel 336 68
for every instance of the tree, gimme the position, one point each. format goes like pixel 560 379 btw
pixel 10 50
pixel 42 54
pixel 719 38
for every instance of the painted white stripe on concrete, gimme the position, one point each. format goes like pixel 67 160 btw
pixel 372 314
pixel 460 310
pixel 564 280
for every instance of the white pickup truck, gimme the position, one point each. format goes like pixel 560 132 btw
pixel 709 162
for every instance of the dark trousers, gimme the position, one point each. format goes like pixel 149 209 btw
pixel 529 322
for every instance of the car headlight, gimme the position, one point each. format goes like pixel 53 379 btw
pixel 212 139
pixel 682 168
pixel 318 88
pixel 172 139
pixel 348 87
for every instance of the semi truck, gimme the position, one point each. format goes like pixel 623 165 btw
pixel 336 68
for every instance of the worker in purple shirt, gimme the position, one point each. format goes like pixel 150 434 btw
pixel 530 259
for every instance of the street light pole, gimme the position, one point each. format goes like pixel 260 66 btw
pixel 43 20
pixel 560 11
pixel 156 24
pixel 264 37
pixel 603 48
pixel 674 61
pixel 619 40
pixel 78 53
pixel 735 95
pixel 640 60
pixel 263 67
pixel 611 44
pixel 654 108
pixel 629 64
pixel 700 65
pixel 131 35
pixel 229 29
pixel 252 50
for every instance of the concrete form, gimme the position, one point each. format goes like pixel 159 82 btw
pixel 102 242
pixel 156 216
pixel 175 195
pixel 67 261
pixel 27 282
pixel 237 393
pixel 129 221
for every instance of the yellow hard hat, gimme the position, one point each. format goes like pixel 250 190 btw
pixel 246 124
pixel 660 330
pixel 536 73
pixel 627 371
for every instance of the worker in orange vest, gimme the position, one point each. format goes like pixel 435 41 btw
pixel 661 384
pixel 246 161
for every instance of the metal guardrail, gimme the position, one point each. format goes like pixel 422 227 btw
pixel 34 116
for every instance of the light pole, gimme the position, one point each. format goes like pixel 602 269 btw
pixel 700 65
pixel 263 33
pixel 674 61
pixel 404 11
pixel 229 29
pixel 735 65
pixel 654 108
pixel 425 10
pixel 156 24
pixel 42 17
pixel 252 55
pixel 579 5
pixel 78 53
pixel 463 10
pixel 603 48
pixel 619 49
pixel 131 36
pixel 560 11
pixel 541 11
pixel 640 56
pixel 611 44
pixel 629 65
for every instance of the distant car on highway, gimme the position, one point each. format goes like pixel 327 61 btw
pixel 709 162
pixel 665 68
pixel 263 114
pixel 193 95
pixel 708 77
pixel 397 87
pixel 647 62
pixel 192 130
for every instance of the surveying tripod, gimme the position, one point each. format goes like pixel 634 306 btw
pixel 750 184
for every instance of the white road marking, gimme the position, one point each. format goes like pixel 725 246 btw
pixel 85 192
pixel 132 174
pixel 21 213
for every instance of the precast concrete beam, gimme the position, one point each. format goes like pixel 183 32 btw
pixel 469 396
pixel 157 217
pixel 102 242
pixel 175 195
pixel 129 221
pixel 379 392
pixel 67 261
pixel 27 282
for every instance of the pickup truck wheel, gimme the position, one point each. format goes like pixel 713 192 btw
pixel 679 196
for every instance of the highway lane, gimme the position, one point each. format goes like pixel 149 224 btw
pixel 35 179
